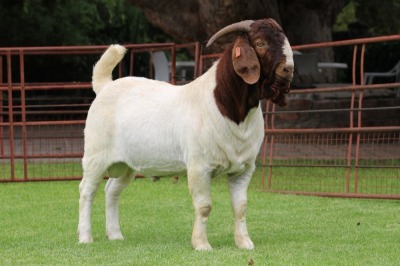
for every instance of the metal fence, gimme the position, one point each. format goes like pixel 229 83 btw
pixel 336 140
pixel 330 141
pixel 346 161
pixel 41 125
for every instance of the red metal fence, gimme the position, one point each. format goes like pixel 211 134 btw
pixel 336 140
pixel 332 140
pixel 41 126
pixel 333 159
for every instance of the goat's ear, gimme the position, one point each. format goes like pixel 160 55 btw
pixel 245 61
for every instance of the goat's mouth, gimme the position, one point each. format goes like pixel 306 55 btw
pixel 276 89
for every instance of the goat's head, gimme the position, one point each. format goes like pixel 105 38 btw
pixel 262 56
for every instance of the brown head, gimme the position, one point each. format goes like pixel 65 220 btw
pixel 262 57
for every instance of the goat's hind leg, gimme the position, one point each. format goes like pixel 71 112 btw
pixel 113 191
pixel 92 177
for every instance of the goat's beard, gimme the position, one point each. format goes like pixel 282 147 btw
pixel 276 92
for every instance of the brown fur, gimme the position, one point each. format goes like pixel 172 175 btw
pixel 232 94
pixel 234 97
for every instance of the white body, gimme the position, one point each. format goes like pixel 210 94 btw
pixel 155 128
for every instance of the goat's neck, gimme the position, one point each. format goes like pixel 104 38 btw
pixel 233 96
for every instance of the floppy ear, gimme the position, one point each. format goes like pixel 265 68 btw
pixel 245 61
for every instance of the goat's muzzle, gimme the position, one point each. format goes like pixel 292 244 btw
pixel 277 90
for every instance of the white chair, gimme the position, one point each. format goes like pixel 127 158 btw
pixel 394 72
pixel 161 67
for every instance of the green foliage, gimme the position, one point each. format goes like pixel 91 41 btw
pixel 346 16
pixel 49 23
pixel 360 19
pixel 58 23
pixel 381 17
pixel 39 222
pixel 378 17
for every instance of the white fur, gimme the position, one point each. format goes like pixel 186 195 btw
pixel 155 128
pixel 287 51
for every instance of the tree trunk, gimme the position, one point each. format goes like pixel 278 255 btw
pixel 310 21
pixel 198 20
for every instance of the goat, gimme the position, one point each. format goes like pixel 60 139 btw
pixel 209 127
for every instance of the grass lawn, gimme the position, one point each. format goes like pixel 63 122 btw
pixel 39 220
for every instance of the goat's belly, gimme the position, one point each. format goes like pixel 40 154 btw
pixel 153 162
pixel 118 169
pixel 161 172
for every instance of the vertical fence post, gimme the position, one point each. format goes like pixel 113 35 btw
pixel 196 60
pixel 271 150
pixel 173 65
pixel 351 121
pixel 265 144
pixel 132 63
pixel 1 109
pixel 10 115
pixel 359 117
pixel 23 112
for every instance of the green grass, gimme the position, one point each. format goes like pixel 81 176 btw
pixel 39 220
pixel 57 168
pixel 322 176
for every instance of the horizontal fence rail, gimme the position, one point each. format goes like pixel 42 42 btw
pixel 336 140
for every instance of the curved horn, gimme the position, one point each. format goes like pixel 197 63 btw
pixel 238 26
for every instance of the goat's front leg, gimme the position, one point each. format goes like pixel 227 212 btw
pixel 238 189
pixel 199 187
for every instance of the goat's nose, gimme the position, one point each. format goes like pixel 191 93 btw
pixel 288 68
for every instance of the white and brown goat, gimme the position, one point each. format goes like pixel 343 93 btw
pixel 209 127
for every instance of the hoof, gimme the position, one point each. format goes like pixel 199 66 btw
pixel 115 236
pixel 202 247
pixel 85 239
pixel 245 244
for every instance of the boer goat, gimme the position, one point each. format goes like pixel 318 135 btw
pixel 209 127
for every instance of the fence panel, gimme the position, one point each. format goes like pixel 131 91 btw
pixel 6 161
pixel 336 140
pixel 54 151
pixel 308 162
pixel 334 164
pixel 42 122
pixel 377 170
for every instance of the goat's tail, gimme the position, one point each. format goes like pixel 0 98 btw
pixel 102 71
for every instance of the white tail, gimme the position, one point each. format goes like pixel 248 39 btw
pixel 102 71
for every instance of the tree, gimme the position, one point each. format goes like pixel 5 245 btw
pixel 384 20
pixel 304 21
pixel 58 22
